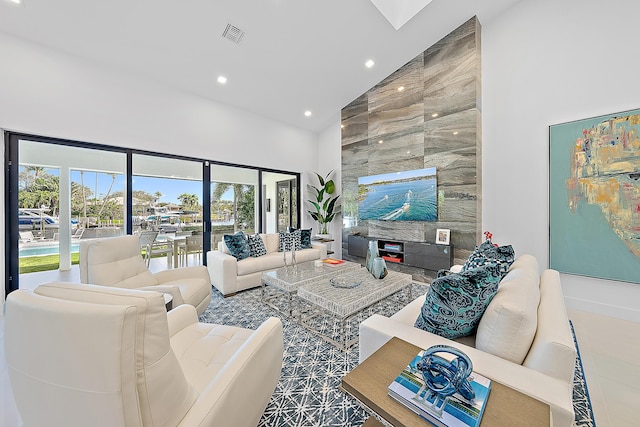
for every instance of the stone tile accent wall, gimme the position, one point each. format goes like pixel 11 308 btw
pixel 435 121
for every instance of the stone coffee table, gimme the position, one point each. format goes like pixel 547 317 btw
pixel 342 303
pixel 286 280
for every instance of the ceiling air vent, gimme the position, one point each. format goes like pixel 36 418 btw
pixel 233 33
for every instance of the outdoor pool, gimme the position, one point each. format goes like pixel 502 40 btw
pixel 44 250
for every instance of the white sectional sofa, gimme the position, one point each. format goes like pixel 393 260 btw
pixel 523 339
pixel 230 275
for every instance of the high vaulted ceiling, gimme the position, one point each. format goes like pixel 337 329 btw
pixel 295 55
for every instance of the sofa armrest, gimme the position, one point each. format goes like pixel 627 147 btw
pixel 223 271
pixel 198 271
pixel 180 318
pixel 322 248
pixel 241 390
pixel 552 351
pixel 377 330
pixel 166 289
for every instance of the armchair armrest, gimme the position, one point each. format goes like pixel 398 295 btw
pixel 166 289
pixel 180 318
pixel 223 271
pixel 172 274
pixel 250 375
pixel 377 330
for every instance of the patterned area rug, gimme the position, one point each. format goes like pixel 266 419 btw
pixel 307 393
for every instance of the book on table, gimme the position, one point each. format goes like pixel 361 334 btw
pixel 333 261
pixel 457 412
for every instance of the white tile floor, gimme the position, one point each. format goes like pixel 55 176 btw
pixel 609 347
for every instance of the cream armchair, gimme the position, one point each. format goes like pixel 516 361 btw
pixel 117 261
pixel 81 355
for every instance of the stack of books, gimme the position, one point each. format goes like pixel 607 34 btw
pixel 392 247
pixel 333 261
pixel 457 412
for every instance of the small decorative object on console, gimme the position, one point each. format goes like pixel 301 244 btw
pixel 446 393
pixel 442 236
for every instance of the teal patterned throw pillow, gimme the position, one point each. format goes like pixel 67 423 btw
pixel 456 302
pixel 238 245
pixel 305 238
pixel 256 245
pixel 488 253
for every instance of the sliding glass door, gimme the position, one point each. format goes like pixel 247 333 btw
pixel 60 192
pixel 65 193
pixel 167 204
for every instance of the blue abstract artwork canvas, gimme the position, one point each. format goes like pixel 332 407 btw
pixel 594 197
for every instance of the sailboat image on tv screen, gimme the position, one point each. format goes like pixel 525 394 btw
pixel 399 196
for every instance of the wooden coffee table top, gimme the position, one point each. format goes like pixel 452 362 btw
pixel 368 383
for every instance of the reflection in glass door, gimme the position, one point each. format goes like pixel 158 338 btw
pixel 167 210
pixel 65 194
pixel 234 201
pixel 280 201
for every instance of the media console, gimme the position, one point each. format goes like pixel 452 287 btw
pixel 429 256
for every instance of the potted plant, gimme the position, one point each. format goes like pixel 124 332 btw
pixel 324 204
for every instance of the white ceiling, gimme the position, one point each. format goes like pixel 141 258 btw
pixel 296 55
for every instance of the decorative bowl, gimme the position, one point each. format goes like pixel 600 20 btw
pixel 344 282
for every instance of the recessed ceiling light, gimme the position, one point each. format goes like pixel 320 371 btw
pixel 408 152
pixel 369 63
pixel 307 113
pixel 341 126
pixel 434 115
pixel 380 142
pixel 222 80
pixel 455 133
pixel 15 1
pixel 401 88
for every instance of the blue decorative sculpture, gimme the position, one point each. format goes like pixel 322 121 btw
pixel 372 252
pixel 443 378
pixel 379 268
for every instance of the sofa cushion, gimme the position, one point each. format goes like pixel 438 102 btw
pixel 238 245
pixel 455 303
pixel 266 262
pixel 488 253
pixel 509 324
pixel 256 245
pixel 271 242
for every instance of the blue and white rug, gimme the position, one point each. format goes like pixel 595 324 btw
pixel 307 393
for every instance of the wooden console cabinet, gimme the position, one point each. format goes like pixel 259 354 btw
pixel 429 256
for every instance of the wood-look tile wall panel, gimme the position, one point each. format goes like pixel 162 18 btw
pixel 445 79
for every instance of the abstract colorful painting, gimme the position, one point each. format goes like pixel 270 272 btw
pixel 594 197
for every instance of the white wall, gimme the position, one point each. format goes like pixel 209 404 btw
pixel 330 158
pixel 546 62
pixel 48 93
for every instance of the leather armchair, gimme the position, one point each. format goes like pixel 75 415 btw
pixel 118 262
pixel 81 355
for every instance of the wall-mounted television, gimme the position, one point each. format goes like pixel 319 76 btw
pixel 399 196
